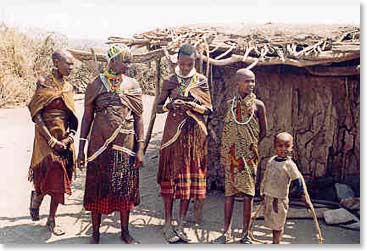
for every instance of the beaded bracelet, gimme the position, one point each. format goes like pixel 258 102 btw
pixel 52 142
pixel 140 140
pixel 71 139
pixel 165 109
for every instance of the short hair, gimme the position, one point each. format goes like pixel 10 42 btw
pixel 244 72
pixel 186 50
pixel 56 55
pixel 285 136
pixel 60 54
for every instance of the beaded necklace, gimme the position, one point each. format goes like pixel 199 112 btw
pixel 249 102
pixel 114 81
pixel 183 84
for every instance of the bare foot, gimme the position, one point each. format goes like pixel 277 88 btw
pixel 126 237
pixel 95 238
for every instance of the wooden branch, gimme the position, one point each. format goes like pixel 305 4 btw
pixel 154 108
pixel 326 57
pixel 346 47
pixel 308 48
pixel 137 58
pixel 128 41
pixel 334 70
pixel 248 50
pixel 225 53
pixel 171 64
pixel 96 68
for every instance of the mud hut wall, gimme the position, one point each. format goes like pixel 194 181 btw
pixel 322 113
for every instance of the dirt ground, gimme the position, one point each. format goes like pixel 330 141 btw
pixel 16 140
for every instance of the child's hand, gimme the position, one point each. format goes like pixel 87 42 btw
pixel 275 205
pixel 305 202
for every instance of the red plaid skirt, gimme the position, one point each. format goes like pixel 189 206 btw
pixel 109 205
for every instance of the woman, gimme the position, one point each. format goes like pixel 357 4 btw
pixel 183 153
pixel 52 109
pixel 244 127
pixel 113 108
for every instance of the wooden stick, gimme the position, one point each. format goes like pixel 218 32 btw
pixel 225 53
pixel 253 219
pixel 308 48
pixel 313 213
pixel 214 49
pixel 247 52
pixel 96 68
pixel 208 58
pixel 154 108
pixel 253 64
pixel 171 65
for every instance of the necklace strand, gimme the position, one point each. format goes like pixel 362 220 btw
pixel 234 115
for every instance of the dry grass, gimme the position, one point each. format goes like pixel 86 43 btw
pixel 23 59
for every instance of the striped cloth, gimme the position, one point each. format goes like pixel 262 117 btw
pixel 109 205
pixel 186 185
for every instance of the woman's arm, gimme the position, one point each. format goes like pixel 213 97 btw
pixel 161 108
pixel 87 120
pixel 45 133
pixel 139 132
pixel 262 119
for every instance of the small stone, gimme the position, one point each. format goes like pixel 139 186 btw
pixel 339 216
pixel 353 226
pixel 351 203
pixel 343 191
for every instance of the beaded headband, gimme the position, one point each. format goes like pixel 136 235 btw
pixel 116 50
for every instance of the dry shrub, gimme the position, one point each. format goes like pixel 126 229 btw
pixel 23 58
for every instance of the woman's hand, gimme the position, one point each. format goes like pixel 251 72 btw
pixel 181 105
pixel 139 158
pixel 81 160
pixel 67 140
pixel 59 146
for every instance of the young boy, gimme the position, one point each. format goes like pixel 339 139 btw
pixel 279 173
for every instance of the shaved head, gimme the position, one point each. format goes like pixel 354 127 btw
pixel 61 54
pixel 284 136
pixel 245 74
pixel 63 62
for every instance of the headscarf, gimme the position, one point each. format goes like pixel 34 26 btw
pixel 116 50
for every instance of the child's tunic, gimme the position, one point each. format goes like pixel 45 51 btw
pixel 277 179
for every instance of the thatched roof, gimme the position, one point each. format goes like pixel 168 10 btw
pixel 267 44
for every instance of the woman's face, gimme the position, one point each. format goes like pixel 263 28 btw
pixel 119 65
pixel 246 84
pixel 65 65
pixel 186 64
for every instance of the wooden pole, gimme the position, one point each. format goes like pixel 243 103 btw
pixel 154 108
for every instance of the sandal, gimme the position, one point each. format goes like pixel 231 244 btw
pixel 246 239
pixel 223 239
pixel 170 235
pixel 53 228
pixel 181 234
pixel 34 212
